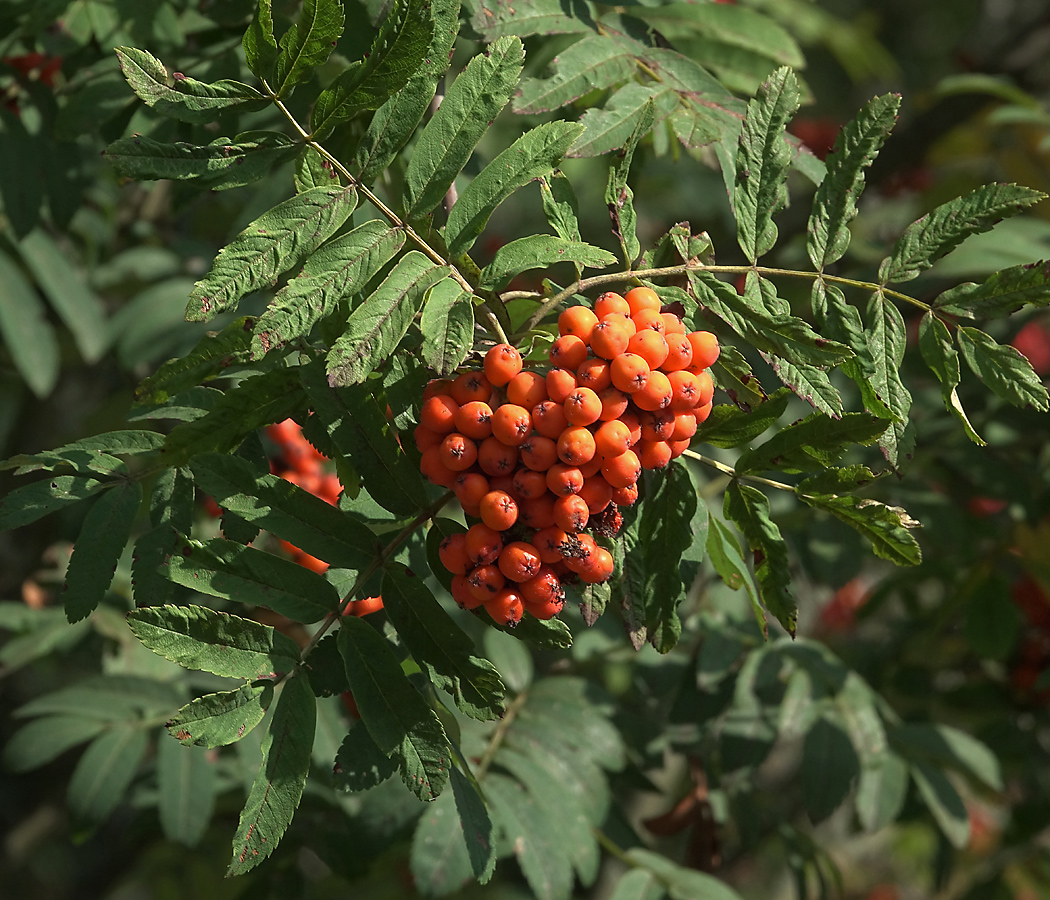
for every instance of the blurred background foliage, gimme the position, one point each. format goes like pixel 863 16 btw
pixel 94 274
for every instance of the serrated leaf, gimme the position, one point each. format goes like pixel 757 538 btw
pixel 542 859
pixel 935 343
pixel 533 155
pixel 439 646
pixel 246 575
pixel 376 327
pixel 222 164
pixel 199 638
pixel 728 426
pixel 943 745
pixel 447 325
pixel 610 127
pixel 186 783
pixel 598 61
pixel 619 198
pixel 885 527
pixel 560 206
pixel 762 164
pixel 943 802
pixel 104 773
pixel 391 127
pixel 216 720
pixel 733 374
pixel 277 241
pixel 812 443
pixel 748 507
pixel 66 289
pixel 785 336
pixel 1002 292
pixel 360 764
pixel 356 423
pixel 829 767
pixel 1003 368
pixel 98 547
pixel 27 334
pixel 187 99
pixel 439 857
pixel 43 740
pixel 337 270
pixel 538 251
pixel 881 790
pixel 935 234
pixel 835 203
pixel 493 20
pixel 810 383
pixel 471 103
pixel 307 44
pixel 724 552
pixel 259 43
pixel 396 54
pixel 33 501
pixel 92 454
pixel 393 711
pixel 278 787
pixel 887 340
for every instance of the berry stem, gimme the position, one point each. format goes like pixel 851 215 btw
pixel 499 734
pixel 732 473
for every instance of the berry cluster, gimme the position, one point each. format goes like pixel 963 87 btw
pixel 540 458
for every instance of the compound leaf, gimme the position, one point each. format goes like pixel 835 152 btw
pixel 447 325
pixel 538 251
pixel 1003 368
pixel 307 44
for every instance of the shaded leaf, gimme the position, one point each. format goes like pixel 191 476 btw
pixel 186 782
pixel 1002 292
pixel 43 740
pixel 881 790
pixel 619 198
pixel 811 443
pixel 30 502
pixel 935 343
pixel 259 43
pixel 391 127
pixel 943 745
pixel 28 336
pixel 360 764
pixel 682 883
pixel 104 773
pixel 829 767
pixel 494 20
pixel 944 802
pixel 560 206
pixel 725 554
pixel 887 339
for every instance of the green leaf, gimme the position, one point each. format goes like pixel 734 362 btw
pixel 110 698
pixel 475 825
pixel 610 127
pixel 278 787
pixel 810 383
pixel 748 507
pixel 199 638
pixel 681 883
pixel 597 61
pixel 785 336
pixel 1002 292
pixel 186 783
pixel 91 454
pixel 944 802
pixel 835 203
pixel 357 425
pixel 393 711
pixel 723 550
pixel 33 501
pixel 935 343
pixel 619 198
pixel 943 745
pixel 447 325
pixel 222 164
pixel 812 443
pixel 494 20
pixel 337 270
pixel 439 857
pixel 104 773
pixel 29 337
pixel 887 340
pixel 187 99
pixel 733 374
pixel 360 764
pixel 471 103
pixel 376 327
pixel 307 44
pixel 397 52
pixel 391 127
pixel 1003 368
pixel 44 740
pixel 531 156
pixel 536 252
pixel 78 306
pixel 881 790
pixel 439 646
pixel 560 206
pixel 246 575
pixel 216 720
pixel 762 163
pixel 829 767
pixel 935 234
pixel 637 884
pixel 277 241
pixel 525 826
pixel 97 550
pixel 260 45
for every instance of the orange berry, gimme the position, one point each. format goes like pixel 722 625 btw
pixel 609 338
pixel 576 446
pixel 580 549
pixel 577 321
pixel 625 496
pixel 363 607
pixel 434 470
pixel 705 348
pixel 425 438
pixel 471 386
pixel 499 510
pixel 596 493
pixel 511 424
pixel 707 388
pixel 567 352
pixel 650 346
pixel 599 566
pixel 702 412
pixel 506 608
pixel 502 363
pixel 559 384
pixel 571 513
pixel 631 420
pixel 520 561
pixel 653 454
pixel 656 394
pixel 548 418
pixel 537 512
pixel 622 470
pixel 640 298
pixel 497 458
pixel 582 407
pixel 649 320
pixel 439 414
pixel 458 452
pixel 436 387
pixel 630 372
pixel 684 426
pixel 614 403
pixel 678 448
pixel 539 453
pixel 485 582
pixel 591 467
pixel 483 544
pixel 672 324
pixel 679 353
pixel 563 480
pixel 549 542
pixel 470 487
pixel 657 426
pixel 461 593
pixel 453 554
pixel 527 389
pixel 528 485
pixel 685 390
pixel 474 419
pixel 543 587
pixel 612 439
pixel 594 374
pixel 611 302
